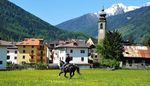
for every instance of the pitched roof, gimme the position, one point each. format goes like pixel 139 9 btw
pixel 5 43
pixel 30 41
pixel 73 44
pixel 90 42
pixel 136 51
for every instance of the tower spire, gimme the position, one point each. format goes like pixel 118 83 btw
pixel 101 25
pixel 103 8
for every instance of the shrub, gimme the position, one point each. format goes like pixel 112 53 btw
pixel 112 63
pixel 41 66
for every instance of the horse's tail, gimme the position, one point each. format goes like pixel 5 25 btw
pixel 78 70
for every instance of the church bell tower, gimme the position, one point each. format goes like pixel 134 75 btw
pixel 101 26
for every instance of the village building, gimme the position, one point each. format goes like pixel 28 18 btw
pixel 12 53
pixel 78 50
pixel 31 50
pixel 136 57
pixel 3 53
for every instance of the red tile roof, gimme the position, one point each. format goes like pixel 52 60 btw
pixel 30 41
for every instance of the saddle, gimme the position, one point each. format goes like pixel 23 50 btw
pixel 67 65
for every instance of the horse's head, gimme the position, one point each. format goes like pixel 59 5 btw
pixel 61 62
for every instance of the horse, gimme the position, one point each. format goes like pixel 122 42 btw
pixel 69 68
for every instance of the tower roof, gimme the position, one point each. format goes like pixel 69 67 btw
pixel 102 13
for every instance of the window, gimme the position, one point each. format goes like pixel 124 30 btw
pixel 1 62
pixel 101 26
pixel 82 59
pixel 32 51
pixel 15 57
pixel 8 57
pixel 24 46
pixel 82 51
pixel 15 52
pixel 7 51
pixel 71 51
pixel 41 57
pixel 23 57
pixel 32 46
pixel 24 51
pixel 32 57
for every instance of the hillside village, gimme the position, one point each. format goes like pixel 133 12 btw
pixel 83 52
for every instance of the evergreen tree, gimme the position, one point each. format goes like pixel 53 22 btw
pixel 111 49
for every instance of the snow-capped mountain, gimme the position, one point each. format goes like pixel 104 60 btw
pixel 147 4
pixel 119 8
pixel 130 15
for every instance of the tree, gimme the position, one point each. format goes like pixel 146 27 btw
pixel 145 40
pixel 111 49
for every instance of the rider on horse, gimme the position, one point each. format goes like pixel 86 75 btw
pixel 68 59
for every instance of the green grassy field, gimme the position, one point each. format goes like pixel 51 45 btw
pixel 89 77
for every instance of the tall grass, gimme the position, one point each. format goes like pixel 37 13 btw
pixel 89 77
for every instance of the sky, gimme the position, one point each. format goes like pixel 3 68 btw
pixel 58 11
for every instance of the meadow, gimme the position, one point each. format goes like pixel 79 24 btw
pixel 89 77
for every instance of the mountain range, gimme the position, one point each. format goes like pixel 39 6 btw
pixel 17 24
pixel 131 21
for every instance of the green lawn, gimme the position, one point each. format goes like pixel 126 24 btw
pixel 89 77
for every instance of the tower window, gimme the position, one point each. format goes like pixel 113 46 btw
pixel 101 26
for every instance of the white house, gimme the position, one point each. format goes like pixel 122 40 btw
pixel 12 54
pixel 77 49
pixel 3 53
pixel 48 55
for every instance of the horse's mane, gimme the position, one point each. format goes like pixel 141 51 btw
pixel 62 61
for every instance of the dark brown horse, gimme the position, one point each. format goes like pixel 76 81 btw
pixel 69 68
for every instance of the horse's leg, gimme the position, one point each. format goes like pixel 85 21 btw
pixel 65 75
pixel 70 74
pixel 60 73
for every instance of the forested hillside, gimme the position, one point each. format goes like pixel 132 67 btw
pixel 16 24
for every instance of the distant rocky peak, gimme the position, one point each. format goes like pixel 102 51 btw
pixel 119 8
